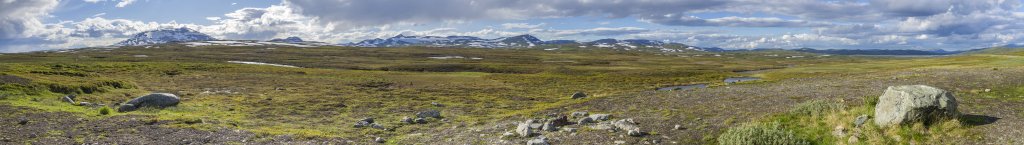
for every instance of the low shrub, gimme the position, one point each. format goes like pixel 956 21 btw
pixel 760 134
pixel 817 107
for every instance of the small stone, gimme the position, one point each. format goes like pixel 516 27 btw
pixel 407 120
pixel 569 129
pixel 620 142
pixel 635 133
pixel 69 98
pixel 524 128
pixel 429 114
pixel 421 120
pixel 363 123
pixel 579 114
pixel 853 140
pixel 679 127
pixel 84 104
pixel 22 121
pixel 379 140
pixel 507 134
pixel 437 104
pixel 560 121
pixel 538 141
pixel 578 95
pixel 839 131
pixel 377 126
pixel 600 117
pixel 988 90
pixel 549 126
pixel 860 120
pixel 585 120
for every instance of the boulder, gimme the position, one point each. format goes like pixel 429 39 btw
pixel 600 117
pixel 158 100
pixel 538 141
pixel 363 123
pixel 524 129
pixel 578 95
pixel 560 121
pixel 429 114
pixel 915 103
pixel 549 126
pixel 69 98
pixel 585 120
pixel 860 120
pixel 629 126
pixel 407 120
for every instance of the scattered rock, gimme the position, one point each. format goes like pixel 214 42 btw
pixel 429 114
pixel 159 100
pixel 377 126
pixel 508 134
pixel 407 120
pixel 602 126
pixel 629 126
pixel 549 126
pixel 560 121
pixel 69 98
pixel 853 140
pixel 569 129
pixel 538 141
pixel 585 120
pixel 379 140
pixel 363 123
pixel 85 104
pixel 524 129
pixel 578 95
pixel 679 127
pixel 860 120
pixel 437 104
pixel 915 103
pixel 579 114
pixel 22 121
pixel 420 120
pixel 635 133
pixel 839 131
pixel 600 117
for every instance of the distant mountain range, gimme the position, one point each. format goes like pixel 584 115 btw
pixel 522 41
pixel 877 52
pixel 165 36
pixel 195 38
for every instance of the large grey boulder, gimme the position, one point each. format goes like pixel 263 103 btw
pixel 157 100
pixel 600 117
pixel 915 103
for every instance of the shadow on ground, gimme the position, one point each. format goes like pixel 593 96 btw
pixel 978 120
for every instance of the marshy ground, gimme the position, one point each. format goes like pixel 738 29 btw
pixel 484 92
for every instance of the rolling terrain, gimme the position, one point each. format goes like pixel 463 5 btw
pixel 277 94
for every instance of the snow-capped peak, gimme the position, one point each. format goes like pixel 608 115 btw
pixel 288 40
pixel 162 36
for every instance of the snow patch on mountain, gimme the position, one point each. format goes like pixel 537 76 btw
pixel 165 36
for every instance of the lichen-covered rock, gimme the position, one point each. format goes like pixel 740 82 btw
pixel 915 103
pixel 523 129
pixel 429 114
pixel 600 117
pixel 157 100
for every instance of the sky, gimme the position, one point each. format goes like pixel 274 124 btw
pixel 33 25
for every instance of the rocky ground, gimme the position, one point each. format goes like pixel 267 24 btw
pixel 702 114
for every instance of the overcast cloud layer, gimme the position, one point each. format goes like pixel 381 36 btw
pixel 29 25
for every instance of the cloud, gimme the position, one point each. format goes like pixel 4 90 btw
pixel 124 3
pixel 600 31
pixel 731 21
pixel 213 18
pixel 522 25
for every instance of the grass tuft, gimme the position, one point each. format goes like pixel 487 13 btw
pixel 760 134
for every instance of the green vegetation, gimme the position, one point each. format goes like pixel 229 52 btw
pixel 337 85
pixel 829 116
pixel 760 134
